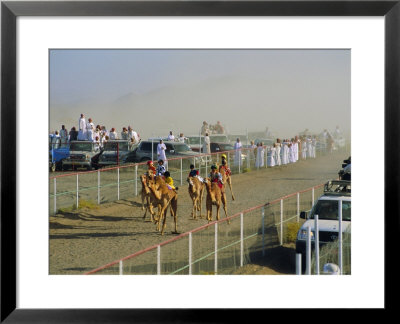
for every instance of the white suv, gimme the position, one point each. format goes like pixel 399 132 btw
pixel 327 208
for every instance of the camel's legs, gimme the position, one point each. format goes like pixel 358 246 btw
pixel 223 198
pixel 229 180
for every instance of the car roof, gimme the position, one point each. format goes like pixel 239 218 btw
pixel 335 197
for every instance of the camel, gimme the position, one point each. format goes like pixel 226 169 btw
pixel 165 197
pixel 196 190
pixel 215 196
pixel 226 178
pixel 146 196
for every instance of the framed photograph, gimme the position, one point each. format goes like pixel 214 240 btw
pixel 57 53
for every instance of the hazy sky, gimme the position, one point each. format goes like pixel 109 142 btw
pixel 160 90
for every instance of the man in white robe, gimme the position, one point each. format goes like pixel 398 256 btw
pixel 55 140
pixel 113 134
pixel 161 148
pixel 272 156
pixel 260 156
pixel 285 153
pixel 309 148
pixel 278 152
pixel 170 137
pixel 90 130
pixel 63 136
pixel 82 128
pixel 238 152
pixel 206 145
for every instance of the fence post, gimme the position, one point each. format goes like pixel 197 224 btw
pixel 316 242
pixel 298 207
pixel 313 196
pixel 206 168
pixel 77 191
pixel 281 225
pixel 181 172
pixel 158 260
pixel 248 159
pixel 298 264
pixel 136 169
pixel 121 269
pixel 55 196
pixel 263 229
pixel 340 254
pixel 241 240
pixel 240 159
pixel 118 183
pixel 308 251
pixel 216 249
pixel 190 253
pixel 98 187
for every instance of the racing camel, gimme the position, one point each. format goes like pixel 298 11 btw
pixel 226 178
pixel 196 190
pixel 146 196
pixel 164 197
pixel 215 196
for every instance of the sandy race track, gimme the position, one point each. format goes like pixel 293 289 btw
pixel 83 240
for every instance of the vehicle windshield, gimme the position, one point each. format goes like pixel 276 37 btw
pixel 114 146
pixel 219 138
pixel 76 146
pixel 328 209
pixel 226 147
pixel 193 140
pixel 182 148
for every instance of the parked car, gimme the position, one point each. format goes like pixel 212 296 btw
pixel 327 209
pixel 113 153
pixel 147 150
pixel 57 154
pixel 81 154
pixel 195 142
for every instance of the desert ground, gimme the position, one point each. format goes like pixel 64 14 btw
pixel 85 239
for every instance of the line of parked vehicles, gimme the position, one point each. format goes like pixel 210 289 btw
pixel 88 155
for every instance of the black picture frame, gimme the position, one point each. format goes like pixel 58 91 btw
pixel 10 10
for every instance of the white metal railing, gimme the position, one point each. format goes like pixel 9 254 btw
pixel 217 246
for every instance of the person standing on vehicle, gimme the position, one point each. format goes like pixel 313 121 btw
pixel 170 137
pixel 63 136
pixel 161 148
pixel 181 138
pixel 124 134
pixel 55 140
pixel 73 134
pixel 206 145
pixel 238 152
pixel 113 134
pixel 82 128
pixel 89 130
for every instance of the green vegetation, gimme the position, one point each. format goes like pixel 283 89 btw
pixel 87 204
pixel 291 232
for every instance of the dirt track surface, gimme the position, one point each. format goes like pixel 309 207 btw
pixel 89 238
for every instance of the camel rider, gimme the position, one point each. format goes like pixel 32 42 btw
pixel 151 171
pixel 160 168
pixel 215 176
pixel 224 166
pixel 169 181
pixel 194 173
